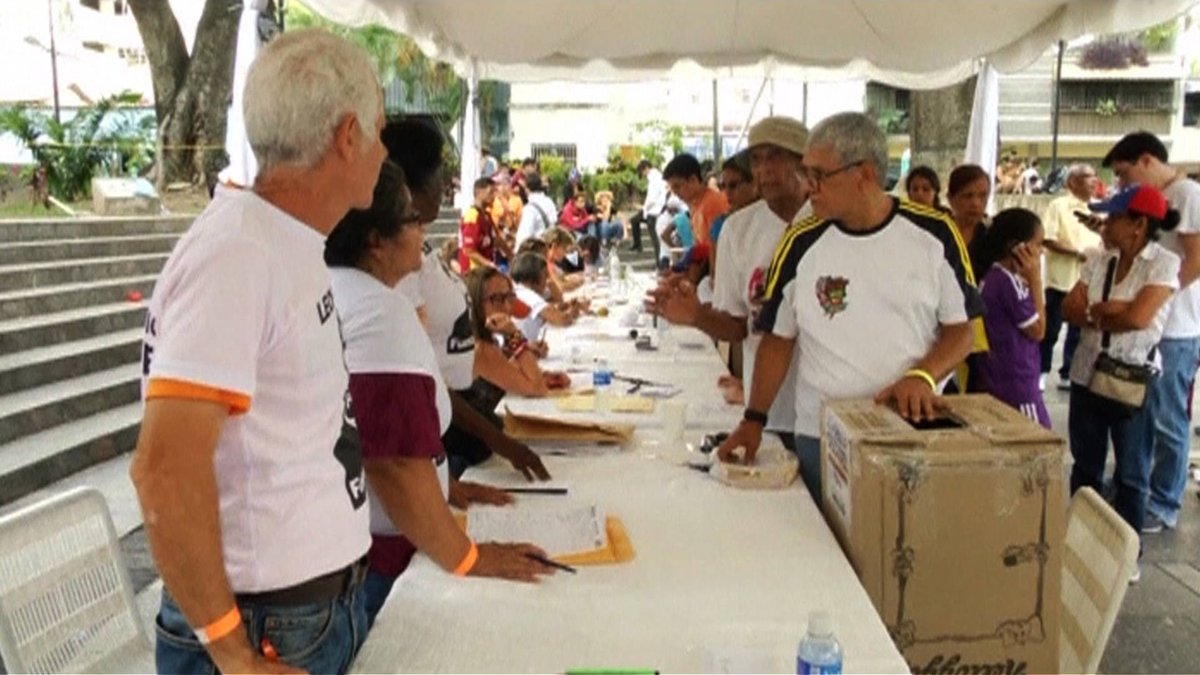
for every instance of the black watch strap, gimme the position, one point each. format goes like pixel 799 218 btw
pixel 756 416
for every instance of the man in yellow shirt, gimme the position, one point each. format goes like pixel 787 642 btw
pixel 1067 240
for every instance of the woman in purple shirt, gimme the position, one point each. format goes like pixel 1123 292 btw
pixel 1010 259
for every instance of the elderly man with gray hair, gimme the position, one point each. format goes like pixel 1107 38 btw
pixel 1067 241
pixel 258 526
pixel 876 293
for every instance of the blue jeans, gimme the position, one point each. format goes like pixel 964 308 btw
pixel 376 588
pixel 606 230
pixel 1054 322
pixel 1172 433
pixel 808 449
pixel 320 638
pixel 1092 421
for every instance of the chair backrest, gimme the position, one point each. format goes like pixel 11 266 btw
pixel 66 603
pixel 1099 554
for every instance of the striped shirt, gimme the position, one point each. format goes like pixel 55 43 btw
pixel 864 306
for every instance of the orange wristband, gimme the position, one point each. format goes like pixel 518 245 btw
pixel 468 561
pixel 221 627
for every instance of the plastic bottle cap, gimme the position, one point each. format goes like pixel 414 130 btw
pixel 820 624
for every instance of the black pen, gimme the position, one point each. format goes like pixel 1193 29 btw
pixel 550 563
pixel 536 490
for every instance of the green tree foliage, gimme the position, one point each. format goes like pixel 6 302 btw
pixel 95 141
pixel 397 56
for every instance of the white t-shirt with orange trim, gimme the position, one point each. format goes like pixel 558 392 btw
pixel 243 313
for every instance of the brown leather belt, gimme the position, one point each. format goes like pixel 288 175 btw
pixel 324 588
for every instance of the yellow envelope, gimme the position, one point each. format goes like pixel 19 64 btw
pixel 587 402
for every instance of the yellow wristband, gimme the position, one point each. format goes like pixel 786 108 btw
pixel 924 375
pixel 468 561
pixel 221 627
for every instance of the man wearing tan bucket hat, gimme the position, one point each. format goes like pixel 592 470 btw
pixel 748 241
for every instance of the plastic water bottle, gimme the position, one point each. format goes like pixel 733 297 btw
pixel 602 385
pixel 614 272
pixel 819 652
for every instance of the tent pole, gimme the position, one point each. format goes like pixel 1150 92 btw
pixel 804 110
pixel 1057 101
pixel 750 115
pixel 716 128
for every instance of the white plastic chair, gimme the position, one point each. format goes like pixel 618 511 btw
pixel 66 603
pixel 1099 554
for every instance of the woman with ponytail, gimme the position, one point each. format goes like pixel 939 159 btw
pixel 1009 259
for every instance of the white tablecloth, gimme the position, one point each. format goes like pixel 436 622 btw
pixel 723 579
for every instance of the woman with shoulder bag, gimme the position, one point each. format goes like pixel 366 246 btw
pixel 1120 303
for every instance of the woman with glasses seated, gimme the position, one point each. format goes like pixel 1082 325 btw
pixel 505 361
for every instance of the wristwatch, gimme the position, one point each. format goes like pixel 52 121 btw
pixel 756 416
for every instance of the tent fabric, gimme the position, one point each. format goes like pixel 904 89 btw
pixel 242 166
pixel 916 44
pixel 983 137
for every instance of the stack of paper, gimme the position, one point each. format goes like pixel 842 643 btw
pixel 558 530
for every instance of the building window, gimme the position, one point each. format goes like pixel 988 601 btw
pixel 1110 97
pixel 889 106
pixel 565 151
pixel 1191 109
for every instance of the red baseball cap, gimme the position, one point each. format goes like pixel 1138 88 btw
pixel 1143 200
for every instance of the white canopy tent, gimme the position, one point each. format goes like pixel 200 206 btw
pixel 916 44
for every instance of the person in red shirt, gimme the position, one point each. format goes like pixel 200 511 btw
pixel 705 204
pixel 575 216
pixel 478 241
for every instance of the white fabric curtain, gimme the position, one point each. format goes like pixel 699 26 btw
pixel 984 134
pixel 242 165
pixel 471 143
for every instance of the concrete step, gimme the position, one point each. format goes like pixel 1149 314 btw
pixel 31 411
pixel 110 477
pixel 45 365
pixel 78 228
pixel 48 299
pixel 15 253
pixel 443 225
pixel 35 275
pixel 33 462
pixel 75 324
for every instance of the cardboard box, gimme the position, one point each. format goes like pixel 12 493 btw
pixel 956 531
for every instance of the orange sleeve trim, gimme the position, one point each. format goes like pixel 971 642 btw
pixel 166 388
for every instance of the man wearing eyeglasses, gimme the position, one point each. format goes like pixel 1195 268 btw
pixel 747 244
pixel 874 294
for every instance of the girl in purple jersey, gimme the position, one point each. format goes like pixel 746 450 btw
pixel 1009 257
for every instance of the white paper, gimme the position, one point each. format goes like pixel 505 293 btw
pixel 558 530
pixel 519 483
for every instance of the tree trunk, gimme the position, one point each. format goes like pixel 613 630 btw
pixel 192 93
pixel 940 121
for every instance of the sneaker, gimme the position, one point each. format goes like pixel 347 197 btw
pixel 1042 387
pixel 1153 524
pixel 1064 384
pixel 1137 574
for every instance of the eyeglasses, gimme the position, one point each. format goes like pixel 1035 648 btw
pixel 816 176
pixel 497 298
pixel 732 184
